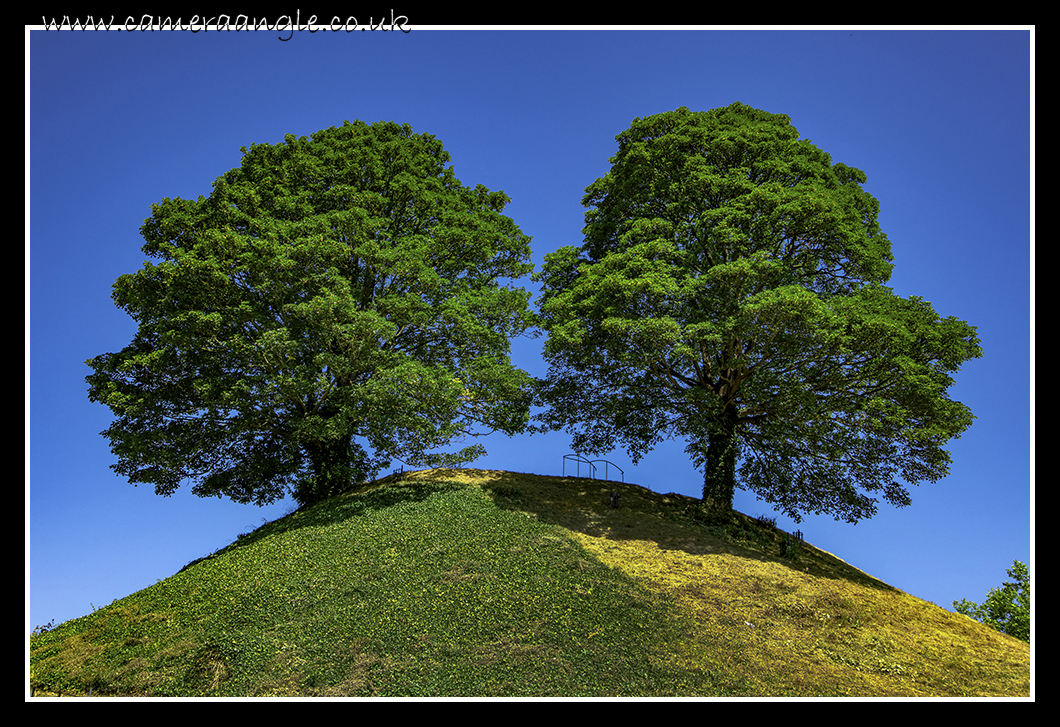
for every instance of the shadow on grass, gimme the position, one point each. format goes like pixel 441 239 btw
pixel 672 521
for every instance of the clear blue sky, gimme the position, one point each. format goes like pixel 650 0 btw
pixel 939 120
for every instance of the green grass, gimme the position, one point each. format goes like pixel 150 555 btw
pixel 473 583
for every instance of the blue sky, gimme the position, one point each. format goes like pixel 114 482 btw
pixel 939 119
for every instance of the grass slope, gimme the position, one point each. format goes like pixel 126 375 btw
pixel 484 583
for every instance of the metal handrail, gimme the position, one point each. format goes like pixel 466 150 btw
pixel 592 466
pixel 579 459
pixel 606 463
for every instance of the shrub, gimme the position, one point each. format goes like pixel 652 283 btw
pixel 1008 608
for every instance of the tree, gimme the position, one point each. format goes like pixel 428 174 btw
pixel 1006 609
pixel 337 302
pixel 729 291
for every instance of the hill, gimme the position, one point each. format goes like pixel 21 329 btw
pixel 484 583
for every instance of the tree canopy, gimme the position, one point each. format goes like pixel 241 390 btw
pixel 730 291
pixel 337 302
pixel 1006 609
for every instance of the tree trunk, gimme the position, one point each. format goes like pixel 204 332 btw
pixel 719 475
pixel 332 471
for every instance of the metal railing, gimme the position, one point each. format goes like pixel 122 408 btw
pixel 592 472
pixel 606 463
pixel 592 466
pixel 579 459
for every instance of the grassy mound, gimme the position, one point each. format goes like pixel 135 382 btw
pixel 482 583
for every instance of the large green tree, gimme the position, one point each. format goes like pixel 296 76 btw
pixel 729 291
pixel 337 302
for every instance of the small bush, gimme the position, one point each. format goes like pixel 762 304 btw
pixel 769 523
